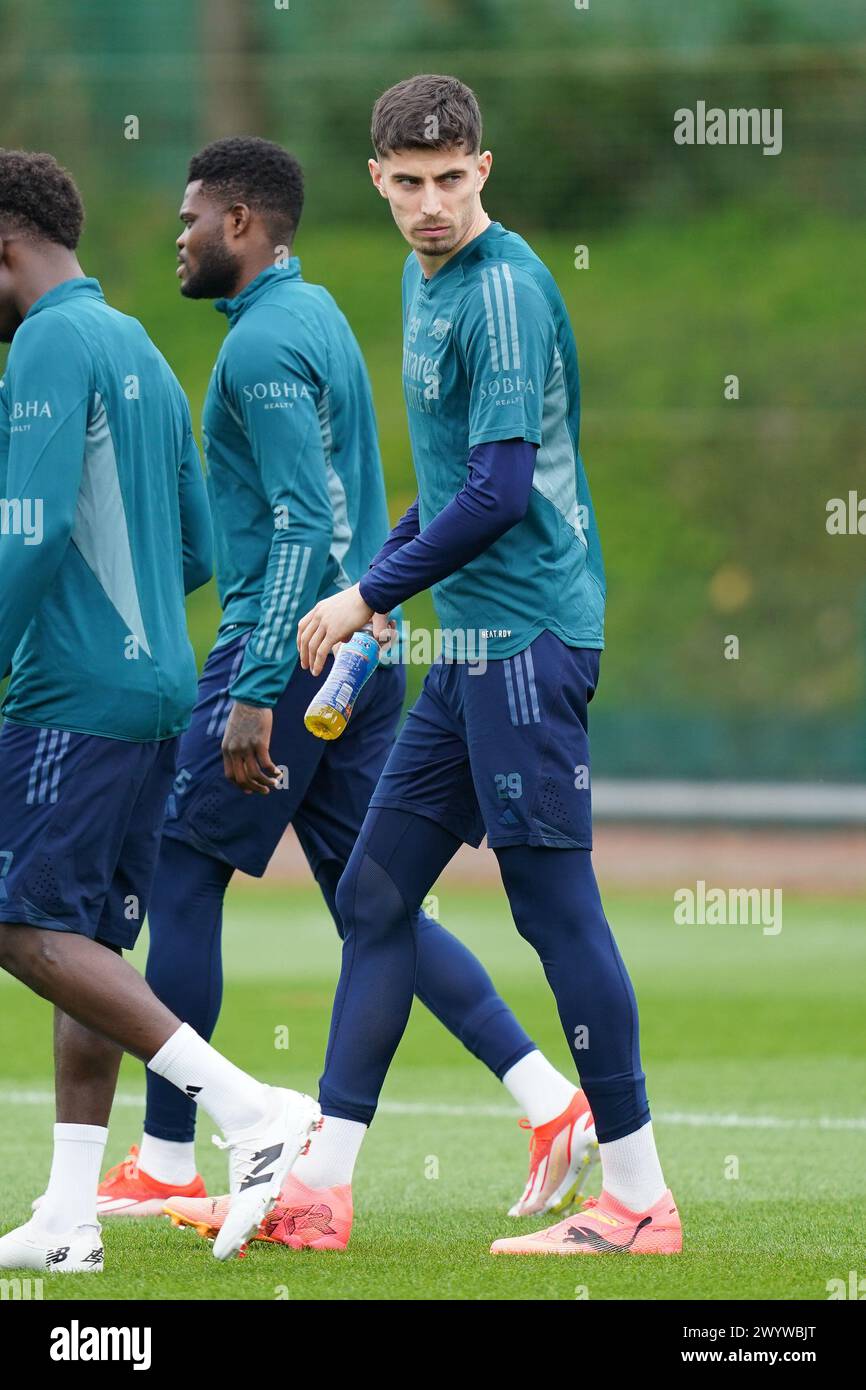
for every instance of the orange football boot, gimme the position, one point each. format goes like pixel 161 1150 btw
pixel 603 1226
pixel 126 1190
pixel 205 1214
pixel 302 1217
pixel 310 1218
pixel 561 1154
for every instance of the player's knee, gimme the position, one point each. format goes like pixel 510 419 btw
pixel 368 900
pixel 535 930
pixel 44 955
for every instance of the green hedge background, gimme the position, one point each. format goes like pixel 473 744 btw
pixel 703 262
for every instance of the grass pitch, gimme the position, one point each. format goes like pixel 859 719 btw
pixel 754 1051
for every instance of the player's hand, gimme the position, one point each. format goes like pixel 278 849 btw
pixel 246 749
pixel 384 630
pixel 332 620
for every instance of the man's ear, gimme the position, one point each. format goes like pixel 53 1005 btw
pixel 485 164
pixel 377 176
pixel 238 218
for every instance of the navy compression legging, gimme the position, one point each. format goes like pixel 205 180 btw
pixel 184 968
pixel 556 905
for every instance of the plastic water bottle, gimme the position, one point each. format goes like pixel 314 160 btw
pixel 331 707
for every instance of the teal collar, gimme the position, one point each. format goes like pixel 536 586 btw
pixel 68 289
pixel 233 308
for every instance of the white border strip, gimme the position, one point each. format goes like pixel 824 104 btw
pixel 788 803
pixel 693 1120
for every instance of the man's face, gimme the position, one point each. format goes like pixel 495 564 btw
pixel 207 269
pixel 10 318
pixel 434 195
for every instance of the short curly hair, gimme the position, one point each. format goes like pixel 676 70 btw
pixel 245 169
pixel 38 198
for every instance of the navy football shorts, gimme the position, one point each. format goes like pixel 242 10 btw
pixel 325 784
pixel 501 748
pixel 80 825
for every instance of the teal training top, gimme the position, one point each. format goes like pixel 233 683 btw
pixel 294 474
pixel 104 524
pixel 489 355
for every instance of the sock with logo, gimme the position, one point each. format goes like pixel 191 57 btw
pixel 631 1171
pixel 539 1089
pixel 235 1100
pixel 70 1198
pixel 166 1160
pixel 330 1159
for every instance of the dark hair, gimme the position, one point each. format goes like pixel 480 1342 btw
pixel 39 198
pixel 245 169
pixel 428 112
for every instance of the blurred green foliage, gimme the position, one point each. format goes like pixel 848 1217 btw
pixel 702 262
pixel 578 104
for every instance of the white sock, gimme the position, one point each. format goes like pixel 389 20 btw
pixel 167 1160
pixel 631 1171
pixel 233 1098
pixel 70 1198
pixel 330 1160
pixel 539 1089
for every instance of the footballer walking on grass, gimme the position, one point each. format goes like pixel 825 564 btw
pixel 503 532
pixel 96 447
pixel 299 512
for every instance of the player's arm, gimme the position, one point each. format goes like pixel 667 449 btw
pixel 406 529
pixel 48 385
pixel 504 434
pixel 286 441
pixel 494 498
pixel 196 529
